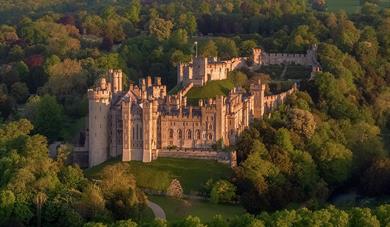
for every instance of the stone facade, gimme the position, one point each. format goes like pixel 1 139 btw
pixel 139 123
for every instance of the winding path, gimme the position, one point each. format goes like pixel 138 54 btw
pixel 157 210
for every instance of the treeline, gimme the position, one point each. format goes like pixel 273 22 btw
pixel 364 217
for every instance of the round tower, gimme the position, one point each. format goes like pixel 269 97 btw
pixel 99 107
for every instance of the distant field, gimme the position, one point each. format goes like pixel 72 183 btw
pixel 350 6
pixel 210 90
pixel 158 174
pixel 177 209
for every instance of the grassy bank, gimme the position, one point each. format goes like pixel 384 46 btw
pixel 212 89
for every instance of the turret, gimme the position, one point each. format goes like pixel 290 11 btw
pixel 258 90
pixel 99 106
pixel 148 139
pixel 220 118
pixel 148 81
pixel 116 78
pixel 256 56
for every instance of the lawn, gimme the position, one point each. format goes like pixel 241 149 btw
pixel 210 90
pixel 294 72
pixel 158 174
pixel 176 209
pixel 350 6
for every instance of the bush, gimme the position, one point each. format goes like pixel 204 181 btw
pixel 175 189
pixel 223 192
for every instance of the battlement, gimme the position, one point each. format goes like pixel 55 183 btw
pixel 98 94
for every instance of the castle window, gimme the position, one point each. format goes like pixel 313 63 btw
pixel 189 134
pixel 133 133
pixel 137 132
pixel 211 127
pixel 198 134
pixel 210 136
pixel 171 133
pixel 179 134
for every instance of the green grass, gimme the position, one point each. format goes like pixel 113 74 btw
pixel 350 6
pixel 274 71
pixel 158 174
pixel 147 215
pixel 293 72
pixel 177 209
pixel 212 89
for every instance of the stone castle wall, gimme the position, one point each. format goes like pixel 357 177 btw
pixel 143 122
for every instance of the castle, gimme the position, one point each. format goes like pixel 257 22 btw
pixel 146 122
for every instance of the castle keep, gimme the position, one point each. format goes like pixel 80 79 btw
pixel 145 121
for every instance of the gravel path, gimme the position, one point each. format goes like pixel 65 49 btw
pixel 157 210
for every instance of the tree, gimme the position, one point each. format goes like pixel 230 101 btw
pixel 92 202
pixel 133 12
pixel 319 4
pixel 238 78
pixel 302 39
pixel 20 92
pixel 208 49
pixel 187 21
pixel 247 46
pixel 40 200
pixel 302 122
pixel 222 192
pixel 159 28
pixel 335 162
pixel 226 48
pixel 376 179
pixel 124 223
pixel 7 204
pixel 363 217
pixel 120 192
pixel 47 116
pixel 191 221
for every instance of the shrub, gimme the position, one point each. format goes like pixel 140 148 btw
pixel 223 192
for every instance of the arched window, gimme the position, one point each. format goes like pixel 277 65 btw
pixel 211 127
pixel 170 133
pixel 198 134
pixel 189 134
pixel 179 134
pixel 210 136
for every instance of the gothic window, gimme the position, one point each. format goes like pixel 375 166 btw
pixel 210 136
pixel 210 126
pixel 170 133
pixel 198 134
pixel 189 134
pixel 137 132
pixel 179 134
pixel 133 133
